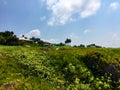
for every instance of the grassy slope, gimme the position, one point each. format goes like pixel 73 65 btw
pixel 29 68
pixel 13 75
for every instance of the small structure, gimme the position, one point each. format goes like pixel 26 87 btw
pixel 44 43
pixel 24 41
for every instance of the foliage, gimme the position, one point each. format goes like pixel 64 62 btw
pixel 8 38
pixel 67 41
pixel 82 46
pixel 67 68
pixel 35 39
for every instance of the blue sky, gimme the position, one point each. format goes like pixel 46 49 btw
pixel 84 21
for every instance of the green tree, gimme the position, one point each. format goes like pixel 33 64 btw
pixel 2 40
pixel 35 39
pixel 67 41
pixel 8 38
pixel 82 46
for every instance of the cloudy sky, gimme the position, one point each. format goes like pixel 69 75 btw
pixel 84 21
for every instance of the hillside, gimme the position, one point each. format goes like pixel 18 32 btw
pixel 59 68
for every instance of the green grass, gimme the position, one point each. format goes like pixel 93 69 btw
pixel 64 68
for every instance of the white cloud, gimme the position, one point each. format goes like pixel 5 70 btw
pixel 33 33
pixel 52 40
pixel 115 37
pixel 112 40
pixel 114 5
pixel 43 18
pixel 86 31
pixel 63 10
pixel 115 40
pixel 74 38
pixel 73 19
pixel 50 3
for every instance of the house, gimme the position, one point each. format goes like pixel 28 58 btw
pixel 44 43
pixel 24 41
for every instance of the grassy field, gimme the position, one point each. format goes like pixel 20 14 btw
pixel 59 68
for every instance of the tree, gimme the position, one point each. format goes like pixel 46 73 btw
pixel 2 39
pixel 82 46
pixel 91 45
pixel 8 38
pixel 23 36
pixel 61 44
pixel 67 41
pixel 35 39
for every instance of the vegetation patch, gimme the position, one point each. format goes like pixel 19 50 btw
pixel 66 68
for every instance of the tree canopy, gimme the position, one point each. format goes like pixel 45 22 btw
pixel 67 41
pixel 35 39
pixel 8 38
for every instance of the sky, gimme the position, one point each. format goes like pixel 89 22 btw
pixel 83 21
